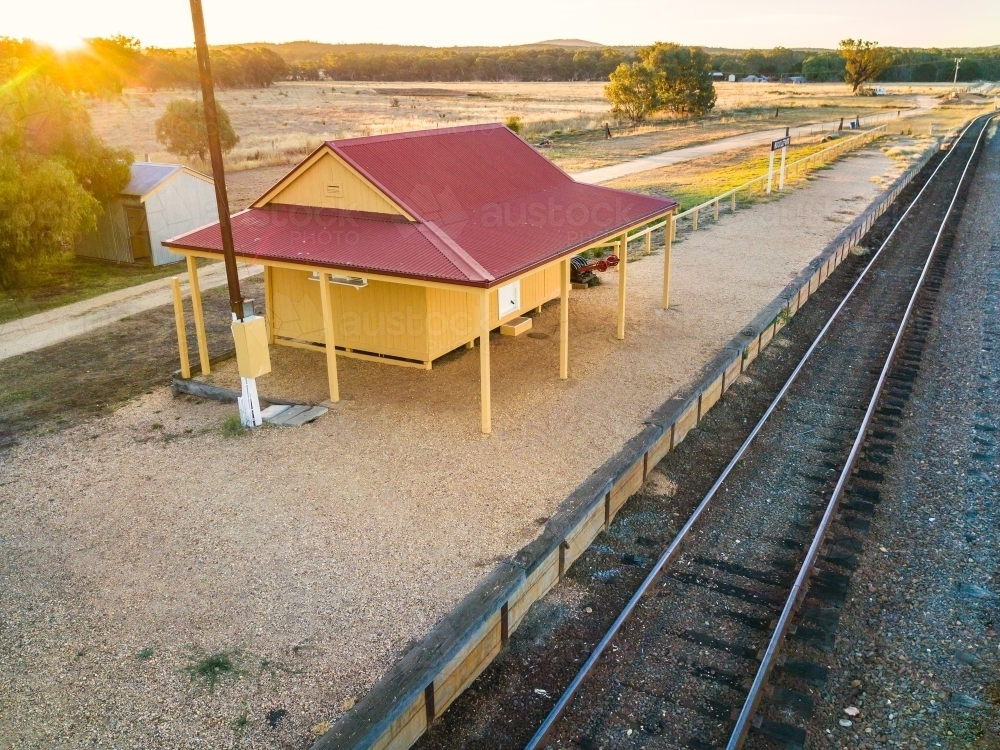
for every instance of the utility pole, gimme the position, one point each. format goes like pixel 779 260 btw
pixel 215 149
pixel 249 333
pixel 958 60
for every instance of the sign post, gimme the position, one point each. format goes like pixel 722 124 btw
pixel 781 143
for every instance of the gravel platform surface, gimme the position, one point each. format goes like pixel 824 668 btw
pixel 917 652
pixel 166 586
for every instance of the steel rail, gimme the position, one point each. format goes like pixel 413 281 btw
pixel 671 552
pixel 798 591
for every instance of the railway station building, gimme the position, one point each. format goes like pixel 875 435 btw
pixel 402 248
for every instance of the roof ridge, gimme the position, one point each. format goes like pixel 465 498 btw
pixel 348 213
pixel 454 252
pixel 406 134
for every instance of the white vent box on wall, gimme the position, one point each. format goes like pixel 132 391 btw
pixel 508 299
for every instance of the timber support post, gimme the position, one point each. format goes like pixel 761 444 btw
pixel 182 346
pixel 564 268
pixel 622 273
pixel 484 361
pixel 328 335
pixel 199 315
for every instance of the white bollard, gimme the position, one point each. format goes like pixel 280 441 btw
pixel 249 403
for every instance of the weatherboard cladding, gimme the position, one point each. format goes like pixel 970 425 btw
pixel 487 207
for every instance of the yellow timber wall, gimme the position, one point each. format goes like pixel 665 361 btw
pixel 396 320
pixel 394 714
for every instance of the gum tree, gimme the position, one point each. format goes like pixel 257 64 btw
pixel 864 61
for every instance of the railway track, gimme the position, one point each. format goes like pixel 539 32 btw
pixel 694 658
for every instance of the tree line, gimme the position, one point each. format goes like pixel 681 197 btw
pixel 106 66
pixel 501 64
pixel 907 65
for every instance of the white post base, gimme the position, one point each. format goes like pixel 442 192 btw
pixel 249 403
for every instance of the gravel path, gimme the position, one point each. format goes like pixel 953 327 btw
pixel 747 140
pixel 917 650
pixel 308 560
pixel 53 326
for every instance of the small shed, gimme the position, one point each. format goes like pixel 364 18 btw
pixel 401 248
pixel 159 202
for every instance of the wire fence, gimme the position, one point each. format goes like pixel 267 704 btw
pixel 759 185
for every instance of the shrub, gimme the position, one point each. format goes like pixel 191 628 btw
pixel 514 123
pixel 232 427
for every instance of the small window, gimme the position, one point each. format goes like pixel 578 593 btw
pixel 332 191
pixel 509 298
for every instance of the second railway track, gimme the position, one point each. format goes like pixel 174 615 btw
pixel 677 668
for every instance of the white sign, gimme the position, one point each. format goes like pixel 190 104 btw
pixel 509 298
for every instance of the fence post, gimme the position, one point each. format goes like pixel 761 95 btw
pixel 716 209
pixel 694 220
pixel 733 202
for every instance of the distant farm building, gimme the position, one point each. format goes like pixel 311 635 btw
pixel 402 248
pixel 796 79
pixel 159 202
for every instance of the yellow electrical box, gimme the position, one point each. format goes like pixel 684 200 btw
pixel 252 356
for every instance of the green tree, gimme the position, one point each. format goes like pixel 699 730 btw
pixel 864 61
pixel 632 92
pixel 826 66
pixel 683 77
pixel 54 174
pixel 182 129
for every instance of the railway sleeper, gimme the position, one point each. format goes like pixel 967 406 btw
pixel 817 638
pixel 762 576
pixel 794 701
pixel 728 589
pixel 785 735
pixel 710 641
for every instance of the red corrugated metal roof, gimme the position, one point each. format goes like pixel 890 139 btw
pixel 487 207
pixel 330 237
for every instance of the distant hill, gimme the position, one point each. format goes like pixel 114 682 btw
pixel 293 52
pixel 565 43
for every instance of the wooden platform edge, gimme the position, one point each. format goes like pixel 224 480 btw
pixel 396 711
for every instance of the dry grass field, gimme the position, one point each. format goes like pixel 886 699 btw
pixel 279 125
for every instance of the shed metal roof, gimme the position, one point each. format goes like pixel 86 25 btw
pixel 148 176
pixel 486 205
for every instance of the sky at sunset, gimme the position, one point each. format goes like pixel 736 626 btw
pixel 723 23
